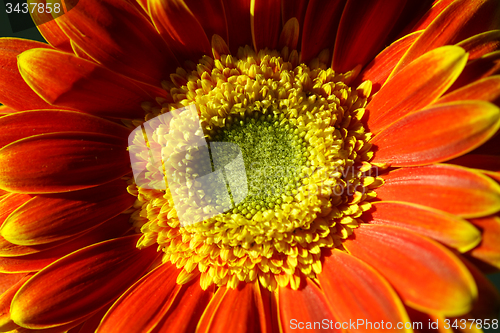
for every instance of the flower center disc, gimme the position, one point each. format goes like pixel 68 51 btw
pixel 305 157
pixel 274 157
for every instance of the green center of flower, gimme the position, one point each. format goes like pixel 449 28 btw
pixel 304 152
pixel 274 155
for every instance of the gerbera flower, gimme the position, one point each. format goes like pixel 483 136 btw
pixel 367 132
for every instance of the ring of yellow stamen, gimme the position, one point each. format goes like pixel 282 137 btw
pixel 274 237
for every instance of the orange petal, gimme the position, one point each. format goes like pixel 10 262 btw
pixel 49 29
pixel 436 9
pixel 320 27
pixel 418 85
pixel 64 79
pixel 49 218
pixel 487 89
pixel 445 228
pixel 300 309
pixel 10 202
pixel 4 109
pixel 6 323
pixel 210 14
pixel 60 162
pixel 265 21
pixel 452 189
pixel 485 66
pixel 113 228
pixel 8 280
pixel 481 44
pixel 24 124
pixel 235 310
pixel 363 30
pixel 118 36
pixel 7 249
pixel 436 134
pixel 238 23
pixel 171 19
pixel 346 280
pixel 80 283
pixel 145 303
pixel 489 249
pixel 290 34
pixel 445 29
pixel 185 310
pixel 426 275
pixel 14 92
pixel 378 70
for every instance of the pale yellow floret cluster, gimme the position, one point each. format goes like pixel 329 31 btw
pixel 276 240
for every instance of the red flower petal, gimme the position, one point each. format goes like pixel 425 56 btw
pixel 25 124
pixel 445 29
pixel 426 275
pixel 4 109
pixel 238 23
pixel 6 323
pixel 485 66
pixel 436 134
pixel 210 14
pixel 378 70
pixel 185 310
pixel 80 283
pixel 416 86
pixel 235 310
pixel 297 9
pixel 290 34
pixel 410 16
pixel 7 249
pixel 452 189
pixel 117 35
pixel 363 30
pixel 60 162
pixel 171 19
pixel 14 92
pixel 113 228
pixel 49 218
pixel 10 202
pixel 67 80
pixel 431 14
pixel 489 249
pixel 90 325
pixel 347 280
pixel 144 304
pixel 319 33
pixel 265 21
pixel 445 228
pixel 49 29
pixel 487 89
pixel 300 309
pixel 481 44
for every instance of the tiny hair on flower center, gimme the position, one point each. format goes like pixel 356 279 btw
pixel 291 152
